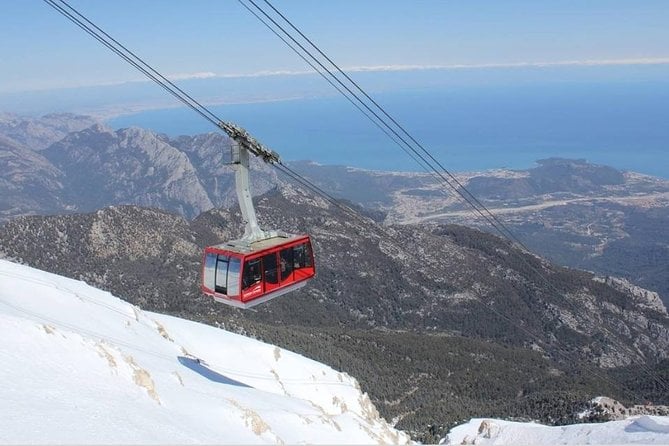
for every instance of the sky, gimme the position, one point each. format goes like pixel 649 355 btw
pixel 40 49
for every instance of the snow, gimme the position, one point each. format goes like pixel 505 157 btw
pixel 643 429
pixel 79 366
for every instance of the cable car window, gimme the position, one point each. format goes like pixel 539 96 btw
pixel 286 260
pixel 233 276
pixel 302 256
pixel 309 261
pixel 251 274
pixel 269 265
pixel 222 274
pixel 209 276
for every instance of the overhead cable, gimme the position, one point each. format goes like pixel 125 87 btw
pixel 418 149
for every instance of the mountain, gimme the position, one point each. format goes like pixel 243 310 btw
pixel 96 166
pixel 29 183
pixel 210 154
pixel 85 367
pixel 413 313
pixel 553 175
pixel 111 372
pixel 575 213
pixel 397 304
pixel 413 278
pixel 104 167
pixel 39 133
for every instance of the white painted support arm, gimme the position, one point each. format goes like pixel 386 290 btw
pixel 240 159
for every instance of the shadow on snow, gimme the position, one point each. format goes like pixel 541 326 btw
pixel 203 369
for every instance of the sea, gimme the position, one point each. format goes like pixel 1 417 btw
pixel 624 125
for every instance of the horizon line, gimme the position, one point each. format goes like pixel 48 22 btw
pixel 374 69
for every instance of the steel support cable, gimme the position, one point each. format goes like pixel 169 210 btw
pixel 376 115
pixel 154 75
pixel 141 62
pixel 196 107
pixel 472 200
pixel 402 129
pixel 328 80
pixel 201 110
pixel 126 54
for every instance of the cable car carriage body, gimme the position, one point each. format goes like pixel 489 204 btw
pixel 261 265
pixel 246 275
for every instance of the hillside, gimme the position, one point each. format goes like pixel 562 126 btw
pixel 575 213
pixel 396 307
pixel 84 367
pixel 394 304
pixel 413 278
pixel 29 182
pixel 68 163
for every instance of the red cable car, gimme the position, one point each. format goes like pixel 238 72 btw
pixel 247 275
pixel 261 265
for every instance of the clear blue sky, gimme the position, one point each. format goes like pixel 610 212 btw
pixel 39 49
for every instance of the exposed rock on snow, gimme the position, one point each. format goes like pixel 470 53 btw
pixel 635 430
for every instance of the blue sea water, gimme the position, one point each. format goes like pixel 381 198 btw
pixel 624 125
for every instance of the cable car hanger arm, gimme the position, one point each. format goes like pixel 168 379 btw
pixel 248 142
pixel 240 162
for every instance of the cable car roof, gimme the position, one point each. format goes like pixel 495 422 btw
pixel 245 248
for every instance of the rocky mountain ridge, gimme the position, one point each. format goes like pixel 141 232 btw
pixel 29 182
pixel 39 133
pixel 81 165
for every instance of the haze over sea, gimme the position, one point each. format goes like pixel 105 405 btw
pixel 621 124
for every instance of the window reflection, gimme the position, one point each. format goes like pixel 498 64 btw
pixel 269 266
pixel 252 273
pixel 286 261
pixel 233 276
pixel 208 279
pixel 222 274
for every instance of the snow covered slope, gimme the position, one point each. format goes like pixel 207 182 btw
pixel 78 365
pixel 634 430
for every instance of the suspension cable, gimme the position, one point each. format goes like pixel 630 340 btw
pixel 405 143
pixel 394 121
pixel 134 60
pixel 461 190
